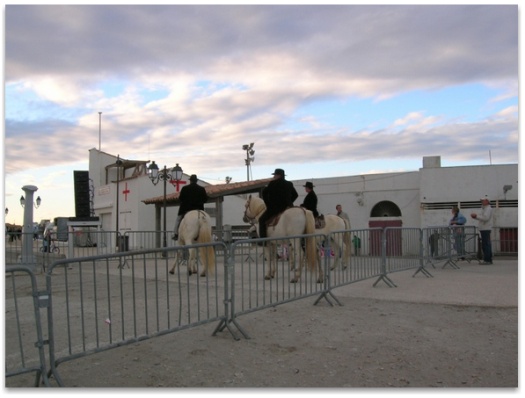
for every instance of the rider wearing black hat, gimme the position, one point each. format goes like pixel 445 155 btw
pixel 192 197
pixel 310 200
pixel 278 195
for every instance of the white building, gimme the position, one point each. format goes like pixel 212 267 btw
pixel 419 198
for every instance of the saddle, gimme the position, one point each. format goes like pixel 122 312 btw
pixel 274 220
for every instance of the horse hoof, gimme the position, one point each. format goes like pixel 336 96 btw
pixel 294 280
pixel 203 274
pixel 172 272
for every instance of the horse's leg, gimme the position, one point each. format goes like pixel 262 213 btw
pixel 337 253
pixel 296 246
pixel 193 262
pixel 320 272
pixel 177 261
pixel 270 253
pixel 291 255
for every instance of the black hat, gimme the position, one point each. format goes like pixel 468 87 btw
pixel 309 185
pixel 193 178
pixel 279 172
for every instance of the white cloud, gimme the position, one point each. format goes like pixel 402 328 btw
pixel 231 75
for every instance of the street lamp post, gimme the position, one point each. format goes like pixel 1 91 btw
pixel 27 257
pixel 155 177
pixel 249 151
pixel 118 163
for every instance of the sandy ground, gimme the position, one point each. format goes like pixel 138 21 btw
pixel 458 329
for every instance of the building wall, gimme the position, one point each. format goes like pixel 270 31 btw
pixel 424 198
pixel 359 194
pixel 134 214
pixel 441 187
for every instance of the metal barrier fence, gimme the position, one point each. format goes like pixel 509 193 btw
pixel 256 286
pixel 24 342
pixel 96 303
pixel 365 260
pixel 450 244
pixel 438 243
pixel 101 302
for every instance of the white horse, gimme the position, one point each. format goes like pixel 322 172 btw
pixel 293 221
pixel 340 241
pixel 195 227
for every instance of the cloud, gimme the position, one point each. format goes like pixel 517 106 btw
pixel 199 81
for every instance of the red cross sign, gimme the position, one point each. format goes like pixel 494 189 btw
pixel 176 183
pixel 125 192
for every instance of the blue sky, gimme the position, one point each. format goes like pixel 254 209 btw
pixel 322 91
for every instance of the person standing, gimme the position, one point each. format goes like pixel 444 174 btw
pixel 458 220
pixel 485 227
pixel 341 213
pixel 278 195
pixel 310 200
pixel 192 197
pixel 356 240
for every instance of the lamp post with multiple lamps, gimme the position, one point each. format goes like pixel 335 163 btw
pixel 249 151
pixel 175 175
pixel 27 257
pixel 118 163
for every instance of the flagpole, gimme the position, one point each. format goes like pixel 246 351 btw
pixel 99 128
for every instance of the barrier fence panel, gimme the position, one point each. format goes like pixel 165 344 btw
pixel 24 342
pixel 360 262
pixel 85 243
pixel 253 286
pixel 101 302
pixel 147 240
pixel 450 244
pixel 403 248
pixel 98 302
pixel 14 250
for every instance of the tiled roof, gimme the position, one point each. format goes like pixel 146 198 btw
pixel 215 191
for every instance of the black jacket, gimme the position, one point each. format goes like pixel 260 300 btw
pixel 310 203
pixel 278 195
pixel 192 197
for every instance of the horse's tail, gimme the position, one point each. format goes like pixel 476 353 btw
pixel 207 253
pixel 311 247
pixel 347 240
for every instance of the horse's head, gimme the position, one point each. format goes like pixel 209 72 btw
pixel 253 208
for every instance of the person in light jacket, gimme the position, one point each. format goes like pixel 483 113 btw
pixel 484 219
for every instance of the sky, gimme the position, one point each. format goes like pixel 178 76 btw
pixel 321 91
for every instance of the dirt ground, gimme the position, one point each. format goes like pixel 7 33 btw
pixel 390 341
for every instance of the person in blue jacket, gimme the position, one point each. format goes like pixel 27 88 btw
pixel 457 221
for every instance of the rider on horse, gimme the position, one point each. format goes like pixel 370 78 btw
pixel 310 200
pixel 192 197
pixel 310 203
pixel 278 195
